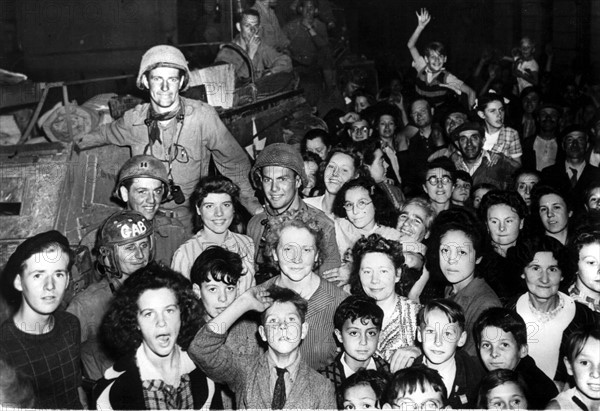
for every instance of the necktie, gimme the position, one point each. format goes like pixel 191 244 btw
pixel 573 176
pixel 279 392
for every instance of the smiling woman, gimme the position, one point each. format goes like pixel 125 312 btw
pixel 150 324
pixel 215 200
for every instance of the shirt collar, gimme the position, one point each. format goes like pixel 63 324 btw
pixel 349 371
pixel 292 368
pixel 149 372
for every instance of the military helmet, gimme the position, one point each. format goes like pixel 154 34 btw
pixel 163 56
pixel 143 166
pixel 123 227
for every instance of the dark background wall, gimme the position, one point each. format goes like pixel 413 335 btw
pixel 73 39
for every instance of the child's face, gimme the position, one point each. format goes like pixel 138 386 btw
pixel 360 397
pixel 283 329
pixel 216 296
pixel 359 338
pixel 424 398
pixel 585 369
pixel 462 191
pixel 457 258
pixel 507 396
pixel 527 48
pixel 478 195
pixel 588 265
pixel 499 349
pixel 159 321
pixel 435 61
pixel 440 337
pixel 493 114
pixel 43 281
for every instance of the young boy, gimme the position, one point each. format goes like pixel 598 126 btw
pixel 433 81
pixel 416 387
pixel 462 188
pixel 501 338
pixel 500 140
pixel 525 68
pixel 277 379
pixel 38 340
pixel 583 364
pixel 357 322
pixel 441 333
pixel 362 390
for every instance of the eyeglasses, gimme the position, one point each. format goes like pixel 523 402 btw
pixel 410 405
pixel 361 130
pixel 434 181
pixel 361 204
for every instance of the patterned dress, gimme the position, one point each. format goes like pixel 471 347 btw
pixel 401 330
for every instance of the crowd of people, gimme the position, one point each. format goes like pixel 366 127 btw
pixel 436 251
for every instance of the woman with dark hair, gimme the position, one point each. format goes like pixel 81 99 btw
pixel 584 256
pixel 525 179
pixel 550 213
pixel 503 213
pixel 377 273
pixel 361 208
pixel 343 164
pixel 453 255
pixel 149 326
pixel 215 200
pixel 316 141
pixel 550 314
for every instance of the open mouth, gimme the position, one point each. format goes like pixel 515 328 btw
pixel 164 339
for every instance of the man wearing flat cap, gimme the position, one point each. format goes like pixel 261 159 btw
pixel 181 132
pixel 279 171
pixel 468 139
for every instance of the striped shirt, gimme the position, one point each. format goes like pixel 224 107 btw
pixel 184 257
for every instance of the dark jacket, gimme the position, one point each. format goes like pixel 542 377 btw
pixel 469 373
pixel 541 388
pixel 126 393
pixel 556 176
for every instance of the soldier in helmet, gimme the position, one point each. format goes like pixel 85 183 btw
pixel 126 244
pixel 181 132
pixel 143 185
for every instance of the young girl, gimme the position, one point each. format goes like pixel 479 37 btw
pixel 502 389
pixel 150 324
pixel 363 389
pixel 457 241
pixel 583 364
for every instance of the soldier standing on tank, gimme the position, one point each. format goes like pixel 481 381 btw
pixel 183 133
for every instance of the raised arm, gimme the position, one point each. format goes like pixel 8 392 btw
pixel 423 18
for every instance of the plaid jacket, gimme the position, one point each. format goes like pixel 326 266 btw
pixel 335 373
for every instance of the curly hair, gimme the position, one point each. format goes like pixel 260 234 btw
pixel 220 264
pixel 119 328
pixel 358 307
pixel 385 213
pixel 298 219
pixel 374 244
pixel 375 379
pixel 213 185
pixel 505 197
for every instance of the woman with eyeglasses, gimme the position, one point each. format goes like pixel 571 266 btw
pixel 439 183
pixel 361 209
pixel 343 164
pixel 215 201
